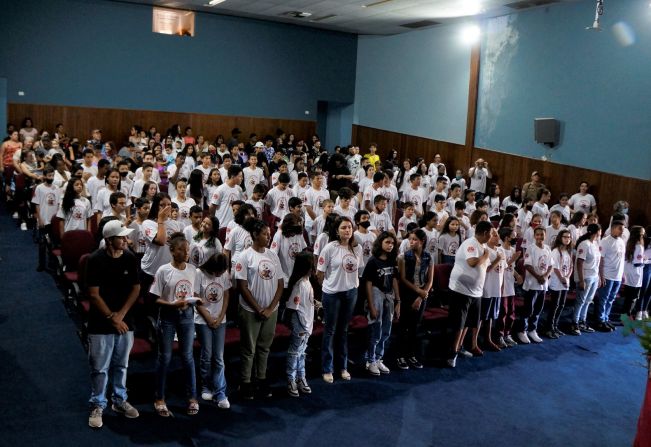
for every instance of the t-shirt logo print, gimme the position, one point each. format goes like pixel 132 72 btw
pixel 266 270
pixel 349 262
pixel 196 255
pixel 542 264
pixel 183 289
pixel 77 213
pixel 213 292
pixel 50 199
pixel 293 249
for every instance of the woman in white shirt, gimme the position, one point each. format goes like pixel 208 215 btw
pixel 633 271
pixel 260 280
pixel 586 275
pixel 206 243
pixel 337 271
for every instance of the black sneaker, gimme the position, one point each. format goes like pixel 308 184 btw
pixel 401 363
pixel 575 330
pixel 587 329
pixel 264 390
pixel 611 326
pixel 603 327
pixel 246 391
pixel 559 332
pixel 414 363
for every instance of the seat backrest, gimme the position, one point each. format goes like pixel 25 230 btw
pixel 83 262
pixel 75 244
pixel 56 236
pixel 442 274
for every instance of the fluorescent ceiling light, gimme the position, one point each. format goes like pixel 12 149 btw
pixel 215 2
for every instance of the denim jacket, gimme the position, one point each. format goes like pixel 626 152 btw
pixel 410 265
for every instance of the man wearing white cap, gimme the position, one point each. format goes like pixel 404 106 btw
pixel 113 287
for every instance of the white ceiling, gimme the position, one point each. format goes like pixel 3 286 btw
pixel 385 18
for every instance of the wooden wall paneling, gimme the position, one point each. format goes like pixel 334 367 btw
pixel 512 170
pixel 115 123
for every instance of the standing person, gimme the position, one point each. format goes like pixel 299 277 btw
pixel 300 313
pixel 611 270
pixel 531 189
pixel 383 299
pixel 538 266
pixel 507 311
pixel 337 272
pixel 449 241
pixel 260 281
pixel 540 206
pixel 467 286
pixel 75 210
pixel 288 242
pixel 212 285
pixel 155 237
pixel 493 201
pixel 645 291
pixel 479 174
pixel 583 201
pixel 174 287
pixel 559 282
pixel 492 296
pixel 633 270
pixel 586 275
pixel 206 242
pixel 416 271
pixel 225 195
pixel 46 200
pixel 113 287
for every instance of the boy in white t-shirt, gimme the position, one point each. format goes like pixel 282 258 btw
pixel 408 217
pixel 538 266
pixel 540 207
pixel 611 270
pixel 46 199
pixel 379 217
pixel 226 194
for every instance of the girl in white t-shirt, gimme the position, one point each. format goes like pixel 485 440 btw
pixel 528 238
pixel 559 282
pixel 289 242
pixel 511 276
pixel 212 285
pixel 577 226
pixel 586 275
pixel 299 312
pixel 75 210
pixel 540 207
pixel 633 270
pixel 338 273
pixel 538 267
pixel 214 181
pixel 206 243
pixel 524 217
pixel 449 241
pixel 260 281
pixel 492 294
pixel 492 199
pixel 173 288
pixel 184 202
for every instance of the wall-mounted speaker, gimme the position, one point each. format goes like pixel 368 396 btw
pixel 546 131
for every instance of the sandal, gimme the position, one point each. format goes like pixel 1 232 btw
pixel 193 408
pixel 162 410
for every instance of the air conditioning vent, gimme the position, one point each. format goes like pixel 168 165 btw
pixel 420 24
pixel 320 19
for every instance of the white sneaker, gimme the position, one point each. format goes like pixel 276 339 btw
pixel 522 337
pixel 452 362
pixel 382 367
pixel 509 341
pixel 15 215
pixel 372 368
pixel 639 316
pixel 533 336
pixel 206 395
pixel 345 375
pixel 23 227
pixel 95 418
pixel 645 315
pixel 224 404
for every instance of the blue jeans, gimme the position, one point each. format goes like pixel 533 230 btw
pixel 211 364
pixel 607 295
pixel 338 310
pixel 380 328
pixel 181 322
pixel 297 347
pixel 584 298
pixel 108 351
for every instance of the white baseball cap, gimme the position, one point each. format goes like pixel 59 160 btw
pixel 259 144
pixel 115 228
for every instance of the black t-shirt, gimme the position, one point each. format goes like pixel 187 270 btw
pixel 115 278
pixel 380 273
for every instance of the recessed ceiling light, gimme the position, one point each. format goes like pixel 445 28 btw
pixel 470 34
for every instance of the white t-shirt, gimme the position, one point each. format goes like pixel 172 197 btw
pixel 468 280
pixel 200 252
pixel 543 210
pixel 449 244
pixel 612 256
pixel 540 259
pixel 432 244
pixel 258 205
pixel 262 272
pixel 278 201
pixel 370 193
pixel 523 221
pixel 301 299
pixel 416 196
pixel 551 233
pixel 509 275
pixel 155 176
pixel 320 242
pixel 47 198
pixel 103 202
pixel 287 248
pixel 252 177
pixel 77 217
pixel 581 202
pixel 137 237
pixel 564 210
pixel 315 199
pixel 211 291
pixel 340 266
pixel 478 179
pixel 509 202
pixel 494 276
pixel 382 221
pixel 366 242
pixel 562 261
pixel 589 252
pixel 404 221
pixel 493 206
pixel 155 255
pixel 223 197
pixel 189 232
pixel 93 186
pixel 184 210
pixel 237 240
pixel 300 191
pixel 633 270
pixel 348 212
pixel 172 284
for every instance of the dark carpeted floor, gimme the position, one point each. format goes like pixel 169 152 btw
pixel 581 391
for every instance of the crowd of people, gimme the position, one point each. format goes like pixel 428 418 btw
pixel 276 229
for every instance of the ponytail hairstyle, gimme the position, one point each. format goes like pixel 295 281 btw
pixel 577 218
pixel 255 227
pixel 591 230
pixel 215 265
pixel 303 265
pixel 633 240
pixel 70 195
